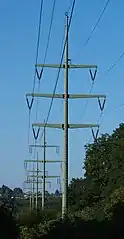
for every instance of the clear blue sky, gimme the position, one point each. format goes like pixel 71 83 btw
pixel 18 24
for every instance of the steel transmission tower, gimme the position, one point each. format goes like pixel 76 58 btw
pixel 33 196
pixel 66 125
pixel 44 161
pixel 41 182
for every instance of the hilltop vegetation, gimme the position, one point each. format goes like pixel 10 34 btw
pixel 6 192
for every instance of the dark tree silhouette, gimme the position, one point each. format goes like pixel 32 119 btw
pixel 8 227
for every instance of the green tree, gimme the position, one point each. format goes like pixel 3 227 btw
pixel 76 193
pixel 104 164
pixel 104 173
pixel 17 192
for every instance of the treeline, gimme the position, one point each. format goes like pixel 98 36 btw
pixel 96 201
pixel 6 192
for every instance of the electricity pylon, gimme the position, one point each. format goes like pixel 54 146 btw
pixel 44 161
pixel 37 182
pixel 37 177
pixel 65 126
pixel 31 186
pixel 33 195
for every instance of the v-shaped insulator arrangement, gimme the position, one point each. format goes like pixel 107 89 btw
pixel 36 134
pixel 101 105
pixel 39 75
pixel 30 103
pixel 95 135
pixel 93 75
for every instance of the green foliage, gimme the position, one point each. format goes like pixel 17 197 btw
pixel 101 190
pixel 76 191
pixel 113 201
pixel 73 227
pixel 29 219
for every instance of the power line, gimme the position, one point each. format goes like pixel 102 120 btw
pixel 38 41
pixel 98 121
pixel 97 23
pixel 108 71
pixel 60 56
pixel 116 108
pixel 69 7
pixel 114 64
pixel 120 57
pixel 86 102
pixel 58 73
pixel 48 40
pixel 46 50
pixel 88 39
pixel 50 28
pixel 45 55
pixel 37 51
